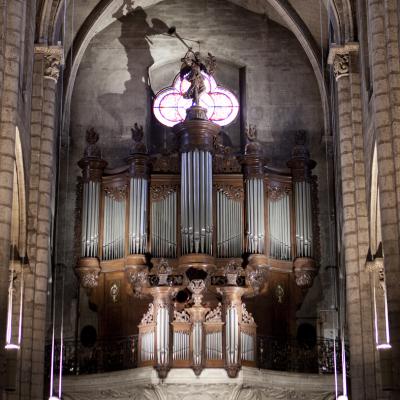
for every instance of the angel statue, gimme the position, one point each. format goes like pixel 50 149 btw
pixel 191 69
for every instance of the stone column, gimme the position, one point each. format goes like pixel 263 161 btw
pixel 384 24
pixel 354 235
pixel 11 24
pixel 41 192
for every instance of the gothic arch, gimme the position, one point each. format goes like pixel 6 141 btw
pixel 101 16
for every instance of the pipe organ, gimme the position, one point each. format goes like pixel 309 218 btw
pixel 211 229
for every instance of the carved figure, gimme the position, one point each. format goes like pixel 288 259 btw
pixel 191 69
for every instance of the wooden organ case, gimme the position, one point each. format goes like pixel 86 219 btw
pixel 174 246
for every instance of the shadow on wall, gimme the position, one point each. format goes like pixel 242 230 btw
pixel 136 39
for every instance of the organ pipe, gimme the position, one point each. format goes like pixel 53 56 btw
pixel 232 335
pixel 138 215
pixel 229 226
pixel 255 215
pixel 197 336
pixel 247 346
pixel 279 228
pixel 162 338
pixel 114 227
pixel 90 219
pixel 196 202
pixel 214 345
pixel 303 210
pixel 163 226
pixel 301 166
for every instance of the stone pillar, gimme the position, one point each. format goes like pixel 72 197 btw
pixel 355 235
pixel 11 24
pixel 384 23
pixel 43 133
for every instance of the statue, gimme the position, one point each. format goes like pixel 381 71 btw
pixel 137 137
pixel 191 69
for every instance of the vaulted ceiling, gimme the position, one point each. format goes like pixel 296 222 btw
pixel 309 20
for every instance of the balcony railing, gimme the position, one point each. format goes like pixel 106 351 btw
pixel 273 353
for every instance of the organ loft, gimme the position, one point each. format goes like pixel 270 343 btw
pixel 199 200
pixel 196 232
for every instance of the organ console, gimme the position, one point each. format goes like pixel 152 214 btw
pixel 210 230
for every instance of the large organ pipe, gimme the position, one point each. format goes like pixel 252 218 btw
pixel 114 226
pixel 138 215
pixel 162 336
pixel 92 169
pixel 255 215
pixel 301 166
pixel 229 225
pixel 197 336
pixel 279 228
pixel 197 136
pixel 163 225
pixel 196 198
pixel 90 219
pixel 304 237
pixel 232 335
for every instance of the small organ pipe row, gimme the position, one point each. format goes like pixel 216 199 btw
pixel 138 216
pixel 214 345
pixel 162 335
pixel 90 219
pixel 255 215
pixel 181 345
pixel 232 335
pixel 163 226
pixel 229 226
pixel 279 228
pixel 303 210
pixel 147 346
pixel 247 347
pixel 196 202
pixel 114 228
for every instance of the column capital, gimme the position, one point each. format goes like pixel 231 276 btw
pixel 339 57
pixel 53 56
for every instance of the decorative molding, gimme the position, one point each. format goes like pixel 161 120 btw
pixel 181 316
pixel 339 57
pixel 231 191
pixel 161 192
pixel 117 193
pixel 54 59
pixel 276 191
pixel 197 286
pixel 166 163
pixel 247 318
pixel 148 316
pixel 215 315
pixel 115 291
pixel 279 293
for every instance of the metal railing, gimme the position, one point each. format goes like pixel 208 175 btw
pixel 280 354
pixel 288 354
pixel 104 356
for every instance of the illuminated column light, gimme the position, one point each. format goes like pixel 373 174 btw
pixel 9 341
pixel 380 269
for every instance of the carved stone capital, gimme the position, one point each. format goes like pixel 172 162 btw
pixel 339 57
pixel 53 56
